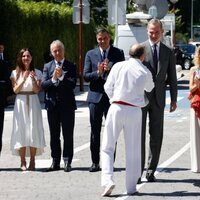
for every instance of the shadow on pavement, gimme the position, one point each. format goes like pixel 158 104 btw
pixel 170 170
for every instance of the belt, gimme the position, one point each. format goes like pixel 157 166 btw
pixel 27 93
pixel 123 103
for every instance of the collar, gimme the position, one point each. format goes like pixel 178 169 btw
pixel 56 62
pixel 107 50
pixel 151 43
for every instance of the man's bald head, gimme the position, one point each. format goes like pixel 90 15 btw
pixel 136 51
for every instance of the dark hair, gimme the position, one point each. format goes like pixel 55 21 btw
pixel 136 51
pixel 20 66
pixel 102 30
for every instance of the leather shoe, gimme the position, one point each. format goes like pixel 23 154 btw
pixel 53 167
pixel 67 167
pixel 94 168
pixel 139 181
pixel 150 178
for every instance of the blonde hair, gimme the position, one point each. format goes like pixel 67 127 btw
pixel 196 59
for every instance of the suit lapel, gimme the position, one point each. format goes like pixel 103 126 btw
pixel 150 55
pixel 98 54
pixel 161 56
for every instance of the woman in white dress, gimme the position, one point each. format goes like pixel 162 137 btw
pixel 27 134
pixel 194 87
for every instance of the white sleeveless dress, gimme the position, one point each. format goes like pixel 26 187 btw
pixel 27 128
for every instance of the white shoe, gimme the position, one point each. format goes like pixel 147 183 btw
pixel 108 190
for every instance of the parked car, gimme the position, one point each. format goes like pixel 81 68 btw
pixel 197 44
pixel 179 55
pixel 185 54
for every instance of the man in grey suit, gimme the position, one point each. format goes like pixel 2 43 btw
pixel 98 63
pixel 160 60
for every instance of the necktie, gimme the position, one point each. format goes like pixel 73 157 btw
pixel 104 54
pixel 155 57
pixel 59 63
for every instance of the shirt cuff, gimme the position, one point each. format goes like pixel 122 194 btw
pixel 61 78
pixel 53 81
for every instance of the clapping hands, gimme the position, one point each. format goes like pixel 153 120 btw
pixel 57 72
pixel 103 66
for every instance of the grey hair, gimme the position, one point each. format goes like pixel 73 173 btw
pixel 155 21
pixel 57 42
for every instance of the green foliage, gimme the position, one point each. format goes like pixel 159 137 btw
pixel 36 24
pixel 180 36
pixel 99 12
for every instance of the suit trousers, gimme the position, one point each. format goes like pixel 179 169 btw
pixel 156 117
pixel 61 117
pixel 97 111
pixel 1 125
pixel 129 120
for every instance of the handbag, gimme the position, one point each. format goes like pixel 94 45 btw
pixel 195 101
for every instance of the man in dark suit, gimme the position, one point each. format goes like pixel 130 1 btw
pixel 5 86
pixel 160 60
pixel 98 63
pixel 58 82
pixel 3 56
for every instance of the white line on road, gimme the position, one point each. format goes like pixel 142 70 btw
pixel 45 163
pixel 162 166
pixel 85 146
pixel 168 100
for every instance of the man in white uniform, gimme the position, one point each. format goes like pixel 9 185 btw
pixel 125 88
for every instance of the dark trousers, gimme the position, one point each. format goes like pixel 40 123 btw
pixel 156 116
pixel 61 117
pixel 97 111
pixel 1 125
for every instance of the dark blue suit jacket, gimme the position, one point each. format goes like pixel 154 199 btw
pixel 64 91
pixel 92 58
pixel 5 83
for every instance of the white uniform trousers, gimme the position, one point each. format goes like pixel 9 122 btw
pixel 129 119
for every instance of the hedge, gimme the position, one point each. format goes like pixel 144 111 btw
pixel 36 24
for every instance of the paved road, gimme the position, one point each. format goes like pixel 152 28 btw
pixel 175 180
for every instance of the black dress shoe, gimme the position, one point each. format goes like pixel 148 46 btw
pixel 139 181
pixel 53 167
pixel 94 168
pixel 150 178
pixel 67 167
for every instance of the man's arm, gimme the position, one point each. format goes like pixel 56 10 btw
pixel 90 72
pixel 172 81
pixel 46 78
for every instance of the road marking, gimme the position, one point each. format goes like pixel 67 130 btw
pixel 85 146
pixel 41 163
pixel 161 167
pixel 168 100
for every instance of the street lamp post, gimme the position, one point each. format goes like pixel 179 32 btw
pixel 173 35
pixel 192 19
pixel 81 46
pixel 81 15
